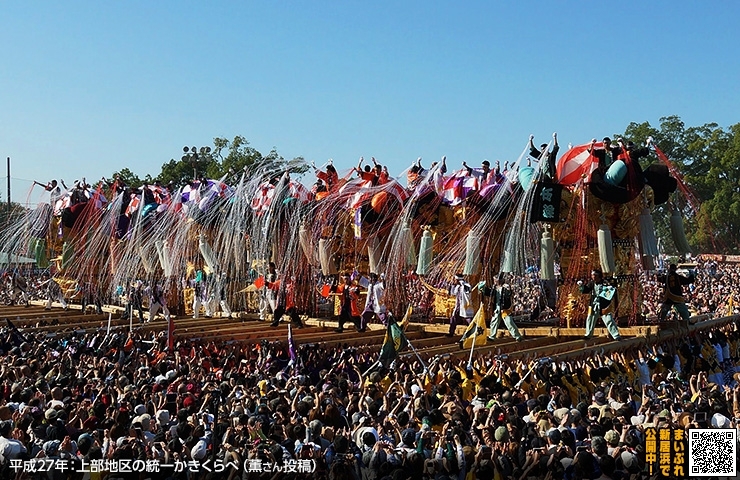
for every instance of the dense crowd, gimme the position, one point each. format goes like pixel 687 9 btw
pixel 712 292
pixel 90 397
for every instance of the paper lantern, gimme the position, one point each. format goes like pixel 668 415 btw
pixel 67 254
pixel 304 238
pixel 526 174
pixel 163 252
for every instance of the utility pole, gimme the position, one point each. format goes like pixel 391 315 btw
pixel 8 184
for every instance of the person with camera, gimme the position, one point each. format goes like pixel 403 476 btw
pixel 673 293
pixel 602 305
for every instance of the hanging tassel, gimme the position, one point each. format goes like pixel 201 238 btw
pixel 678 234
pixel 507 264
pixel 374 255
pixel 160 255
pixel 240 253
pixel 304 238
pixel 425 252
pixel 326 256
pixel 42 259
pixel 145 261
pixel 407 242
pixel 207 252
pixel 67 254
pixel 648 242
pixel 163 252
pixel 547 256
pixel 32 246
pixel 606 249
pixel 472 254
pixel 648 263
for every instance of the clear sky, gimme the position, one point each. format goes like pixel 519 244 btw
pixel 88 88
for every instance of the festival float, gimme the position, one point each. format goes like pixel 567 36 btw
pixel 540 220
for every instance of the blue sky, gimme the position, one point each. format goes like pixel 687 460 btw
pixel 89 88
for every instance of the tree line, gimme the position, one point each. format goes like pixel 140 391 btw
pixel 708 159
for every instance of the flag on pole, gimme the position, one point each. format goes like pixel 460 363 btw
pixel 406 318
pixel 476 331
pixel 16 336
pixel 170 334
pixel 394 342
pixel 291 347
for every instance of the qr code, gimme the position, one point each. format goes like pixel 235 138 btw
pixel 712 452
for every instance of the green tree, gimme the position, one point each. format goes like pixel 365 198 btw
pixel 708 159
pixel 237 156
pixel 188 167
pixel 128 177
pixel 228 158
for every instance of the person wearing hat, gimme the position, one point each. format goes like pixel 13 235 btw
pixel 500 296
pixel 602 305
pixel 673 294
pixel 612 441
pixel 463 310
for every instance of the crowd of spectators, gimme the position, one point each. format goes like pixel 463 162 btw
pixel 91 397
pixel 88 398
pixel 711 292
